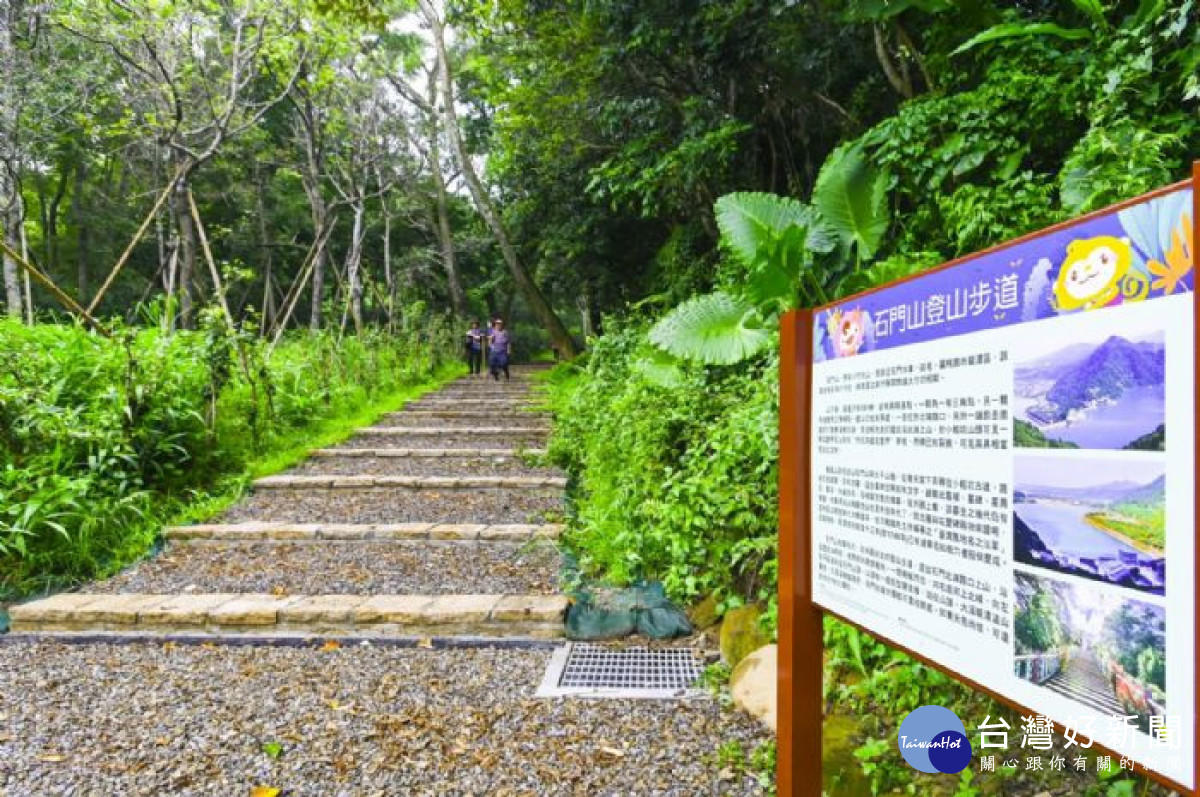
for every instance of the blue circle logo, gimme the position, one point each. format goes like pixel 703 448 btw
pixel 932 739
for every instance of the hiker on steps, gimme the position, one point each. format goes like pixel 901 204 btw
pixel 501 348
pixel 474 345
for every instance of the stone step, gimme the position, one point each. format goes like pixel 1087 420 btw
pixel 354 532
pixel 434 431
pixel 465 422
pixel 427 453
pixel 474 415
pixel 285 482
pixel 490 390
pixel 436 402
pixel 231 614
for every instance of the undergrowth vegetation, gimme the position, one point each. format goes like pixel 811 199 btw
pixel 103 440
pixel 669 428
pixel 676 476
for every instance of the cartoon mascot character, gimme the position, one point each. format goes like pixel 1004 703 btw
pixel 1097 273
pixel 846 331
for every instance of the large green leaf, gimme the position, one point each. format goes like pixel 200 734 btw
pixel 851 197
pixel 1093 10
pixel 879 10
pixel 716 328
pixel 751 222
pixel 658 367
pixel 1009 30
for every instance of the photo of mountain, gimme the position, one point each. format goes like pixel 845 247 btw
pixel 1091 645
pixel 1103 519
pixel 1101 393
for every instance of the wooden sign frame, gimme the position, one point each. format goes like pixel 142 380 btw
pixel 801 644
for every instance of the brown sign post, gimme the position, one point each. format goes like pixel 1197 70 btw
pixel 800 689
pixel 800 625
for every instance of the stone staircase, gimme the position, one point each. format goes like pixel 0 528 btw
pixel 432 523
pixel 1083 680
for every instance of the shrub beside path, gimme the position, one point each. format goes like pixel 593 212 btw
pixel 448 551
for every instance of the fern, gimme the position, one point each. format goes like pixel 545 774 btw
pixel 717 329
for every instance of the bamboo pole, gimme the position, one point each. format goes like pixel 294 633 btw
pixel 55 291
pixel 219 286
pixel 120 264
pixel 301 281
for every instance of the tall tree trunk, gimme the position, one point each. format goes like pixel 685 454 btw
pixel 50 231
pixel 389 278
pixel 267 254
pixel 186 265
pixel 584 303
pixel 320 214
pixel 560 338
pixel 27 282
pixel 354 267
pixel 11 220
pixel 79 216
pixel 458 297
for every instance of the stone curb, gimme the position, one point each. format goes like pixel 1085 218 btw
pixel 436 431
pixel 221 613
pixel 438 400
pixel 379 532
pixel 410 482
pixel 428 453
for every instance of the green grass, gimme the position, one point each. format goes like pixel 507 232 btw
pixel 292 448
pixel 1144 525
pixel 103 442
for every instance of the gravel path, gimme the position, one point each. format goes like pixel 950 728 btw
pixel 463 439
pixel 420 466
pixel 419 568
pixel 185 721
pixel 478 505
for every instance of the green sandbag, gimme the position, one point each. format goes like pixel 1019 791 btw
pixel 611 613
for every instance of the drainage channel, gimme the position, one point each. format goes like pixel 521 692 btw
pixel 595 671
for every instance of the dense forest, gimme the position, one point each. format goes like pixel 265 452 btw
pixel 225 221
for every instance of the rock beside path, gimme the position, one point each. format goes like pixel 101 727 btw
pixel 754 687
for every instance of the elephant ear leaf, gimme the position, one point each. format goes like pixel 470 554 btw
pixel 851 197
pixel 752 223
pixel 716 328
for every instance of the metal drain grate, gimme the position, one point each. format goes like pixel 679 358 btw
pixel 578 670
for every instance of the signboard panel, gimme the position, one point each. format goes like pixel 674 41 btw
pixel 1002 473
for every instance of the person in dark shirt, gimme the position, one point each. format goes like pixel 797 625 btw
pixel 474 347
pixel 501 349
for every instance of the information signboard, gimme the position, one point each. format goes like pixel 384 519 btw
pixel 1000 474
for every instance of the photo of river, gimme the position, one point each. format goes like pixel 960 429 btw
pixel 1101 519
pixel 1092 388
pixel 1113 424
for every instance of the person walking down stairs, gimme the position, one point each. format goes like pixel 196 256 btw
pixel 474 348
pixel 501 349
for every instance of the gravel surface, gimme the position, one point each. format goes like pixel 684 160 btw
pixel 463 439
pixel 384 568
pixel 386 505
pixel 420 466
pixel 185 721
